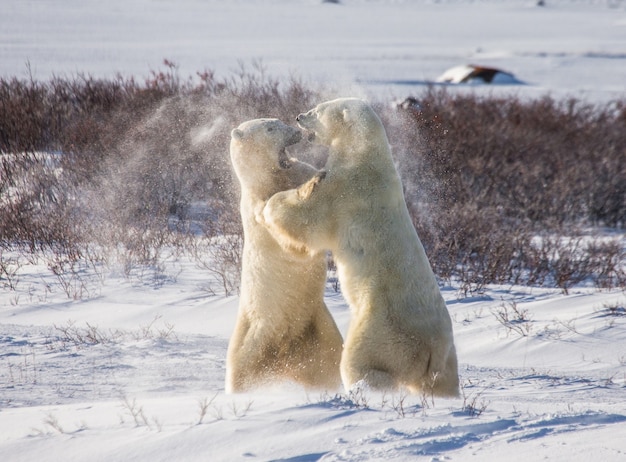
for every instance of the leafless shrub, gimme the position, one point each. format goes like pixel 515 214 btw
pixel 139 416
pixel 35 201
pixel 151 331
pixel 218 249
pixel 556 333
pixel 398 404
pixel 25 371
pixel 239 410
pixel 613 309
pixel 536 160
pixel 53 422
pixel 474 404
pixel 479 247
pixel 485 176
pixel 217 412
pixel 79 337
pixel 203 407
pixel 127 172
pixel 136 412
pixel 356 398
pixel 130 163
pixel 514 319
pixel 607 263
pixel 9 269
pixel 557 259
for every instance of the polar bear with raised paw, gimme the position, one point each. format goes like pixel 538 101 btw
pixel 283 332
pixel 400 333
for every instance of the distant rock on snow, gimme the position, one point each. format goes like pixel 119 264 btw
pixel 472 74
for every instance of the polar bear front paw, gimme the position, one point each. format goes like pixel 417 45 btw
pixel 305 191
pixel 257 212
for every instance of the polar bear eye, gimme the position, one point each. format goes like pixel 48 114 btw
pixel 270 129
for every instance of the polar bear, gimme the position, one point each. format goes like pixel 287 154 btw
pixel 283 330
pixel 400 333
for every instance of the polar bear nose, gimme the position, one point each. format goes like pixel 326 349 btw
pixel 302 117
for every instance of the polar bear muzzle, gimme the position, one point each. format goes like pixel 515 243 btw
pixel 308 121
pixel 304 119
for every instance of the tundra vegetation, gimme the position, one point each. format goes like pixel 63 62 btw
pixel 102 172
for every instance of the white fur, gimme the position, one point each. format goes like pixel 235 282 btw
pixel 284 330
pixel 400 334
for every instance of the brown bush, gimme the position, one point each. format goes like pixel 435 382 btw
pixel 542 160
pixel 497 187
pixel 132 167
pixel 484 176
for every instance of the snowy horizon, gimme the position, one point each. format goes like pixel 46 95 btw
pixel 387 48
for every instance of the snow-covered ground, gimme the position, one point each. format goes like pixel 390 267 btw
pixel 134 371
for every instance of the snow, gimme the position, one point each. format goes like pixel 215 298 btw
pixel 555 388
pixel 134 370
pixel 386 47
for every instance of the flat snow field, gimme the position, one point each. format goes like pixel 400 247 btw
pixel 385 47
pixel 134 370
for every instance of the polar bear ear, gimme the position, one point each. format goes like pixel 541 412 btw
pixel 237 134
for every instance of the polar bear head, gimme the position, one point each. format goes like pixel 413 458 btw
pixel 344 123
pixel 257 151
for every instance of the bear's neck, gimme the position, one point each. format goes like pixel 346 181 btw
pixel 267 185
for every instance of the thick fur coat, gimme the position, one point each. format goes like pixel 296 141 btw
pixel 400 333
pixel 284 331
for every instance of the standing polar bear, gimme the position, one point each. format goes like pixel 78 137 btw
pixel 400 334
pixel 284 330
